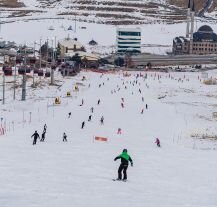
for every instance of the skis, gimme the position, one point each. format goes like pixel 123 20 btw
pixel 119 180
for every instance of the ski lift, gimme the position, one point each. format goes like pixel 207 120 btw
pixel 49 60
pixel 32 60
pixel 19 60
pixel 53 66
pixel 40 73
pixel 28 69
pixel 7 71
pixel 47 74
pixel 21 70
pixel 35 70
pixel 59 61
pixel 63 66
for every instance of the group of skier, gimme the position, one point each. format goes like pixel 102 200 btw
pixel 36 135
pixel 124 156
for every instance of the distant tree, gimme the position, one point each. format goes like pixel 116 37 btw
pixel 76 58
pixel 119 61
pixel 103 61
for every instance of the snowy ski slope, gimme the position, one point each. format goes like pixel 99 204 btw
pixel 80 172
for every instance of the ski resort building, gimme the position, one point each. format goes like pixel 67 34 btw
pixel 68 45
pixel 202 42
pixel 128 40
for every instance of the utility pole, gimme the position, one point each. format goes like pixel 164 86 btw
pixel 23 98
pixel 3 87
pixel 40 55
pixel 33 79
pixel 15 78
pixel 75 23
pixel 52 64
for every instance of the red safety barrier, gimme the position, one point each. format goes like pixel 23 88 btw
pixel 103 139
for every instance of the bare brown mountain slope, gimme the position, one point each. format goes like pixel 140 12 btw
pixel 11 3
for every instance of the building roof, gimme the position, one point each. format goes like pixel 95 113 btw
pixel 180 39
pixel 205 28
pixel 88 56
pixel 205 34
pixel 126 29
pixel 70 43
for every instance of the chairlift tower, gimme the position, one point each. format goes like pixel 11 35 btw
pixel 23 97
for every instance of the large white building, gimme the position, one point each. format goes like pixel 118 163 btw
pixel 128 40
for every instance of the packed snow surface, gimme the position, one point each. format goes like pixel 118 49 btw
pixel 79 172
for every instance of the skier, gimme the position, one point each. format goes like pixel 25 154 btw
pixel 119 131
pixel 157 142
pixel 142 99
pixel 64 137
pixel 125 158
pixel 82 125
pixel 122 105
pixel 43 136
pixel 98 102
pixel 91 109
pixel 122 99
pixel 142 111
pixel 89 118
pixel 102 120
pixel 82 102
pixel 146 106
pixel 35 137
pixel 69 114
pixel 45 128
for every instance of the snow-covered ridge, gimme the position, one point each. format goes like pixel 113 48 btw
pixel 109 12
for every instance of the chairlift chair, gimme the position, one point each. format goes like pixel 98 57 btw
pixel 53 66
pixel 32 60
pixel 40 73
pixel 21 70
pixel 28 69
pixel 19 60
pixel 35 70
pixel 7 71
pixel 47 74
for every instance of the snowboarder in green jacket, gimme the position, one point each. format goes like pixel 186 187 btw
pixel 125 158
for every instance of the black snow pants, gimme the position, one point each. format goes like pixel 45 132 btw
pixel 34 141
pixel 123 167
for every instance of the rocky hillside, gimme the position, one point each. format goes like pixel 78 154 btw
pixel 104 11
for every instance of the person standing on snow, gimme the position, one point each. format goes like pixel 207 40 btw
pixel 35 137
pixel 64 137
pixel 82 125
pixel 69 114
pixel 98 102
pixel 91 109
pixel 119 131
pixel 89 118
pixel 43 136
pixel 125 158
pixel 157 142
pixel 102 120
pixel 45 128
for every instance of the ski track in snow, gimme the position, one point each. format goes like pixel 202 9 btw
pixel 79 173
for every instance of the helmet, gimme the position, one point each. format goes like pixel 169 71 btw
pixel 124 150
